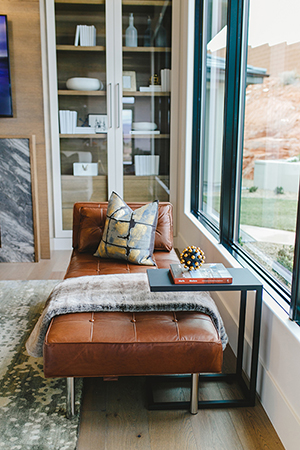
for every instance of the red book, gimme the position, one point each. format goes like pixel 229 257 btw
pixel 206 274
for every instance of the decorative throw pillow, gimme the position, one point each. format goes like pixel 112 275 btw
pixel 129 234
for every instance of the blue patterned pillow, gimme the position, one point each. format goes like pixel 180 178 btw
pixel 129 234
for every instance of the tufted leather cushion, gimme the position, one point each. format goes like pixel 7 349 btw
pixel 113 344
pixel 83 264
pixel 89 220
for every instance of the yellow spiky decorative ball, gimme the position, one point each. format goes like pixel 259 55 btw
pixel 192 257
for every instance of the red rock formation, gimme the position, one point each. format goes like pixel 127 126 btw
pixel 272 122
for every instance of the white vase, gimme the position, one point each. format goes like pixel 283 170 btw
pixel 131 34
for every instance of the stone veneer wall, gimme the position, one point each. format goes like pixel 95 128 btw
pixel 16 208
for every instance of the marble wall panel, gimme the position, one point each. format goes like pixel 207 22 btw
pixel 16 212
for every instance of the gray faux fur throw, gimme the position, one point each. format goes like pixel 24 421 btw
pixel 124 292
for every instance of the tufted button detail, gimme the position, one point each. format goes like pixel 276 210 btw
pixel 175 320
pixel 133 320
pixel 92 320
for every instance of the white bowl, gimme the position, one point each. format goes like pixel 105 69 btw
pixel 144 126
pixel 84 84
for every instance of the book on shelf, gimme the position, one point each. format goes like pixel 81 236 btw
pixel 151 88
pixel 165 76
pixel 85 36
pixel 145 132
pixel 214 273
pixel 85 130
pixel 67 121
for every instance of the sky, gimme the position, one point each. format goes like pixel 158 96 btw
pixel 274 21
pixel 270 22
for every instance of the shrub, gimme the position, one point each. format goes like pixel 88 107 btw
pixel 279 190
pixel 253 189
pixel 289 77
pixel 285 257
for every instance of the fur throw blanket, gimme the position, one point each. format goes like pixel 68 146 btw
pixel 123 292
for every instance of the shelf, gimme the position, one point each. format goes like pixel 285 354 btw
pixel 84 136
pixel 124 2
pixel 146 3
pixel 82 2
pixel 147 49
pixel 145 94
pixel 101 48
pixel 71 92
pixel 80 48
pixel 147 136
pixel 103 93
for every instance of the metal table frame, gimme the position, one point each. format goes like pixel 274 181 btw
pixel 243 280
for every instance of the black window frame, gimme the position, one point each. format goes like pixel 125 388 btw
pixel 235 80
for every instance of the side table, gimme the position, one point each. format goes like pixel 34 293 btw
pixel 243 280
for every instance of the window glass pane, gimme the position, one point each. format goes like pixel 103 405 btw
pixel 147 31
pixel 214 108
pixel 271 148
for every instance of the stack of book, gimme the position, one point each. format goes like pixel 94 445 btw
pixel 206 274
pixel 84 130
pixel 67 121
pixel 85 36
pixel 151 88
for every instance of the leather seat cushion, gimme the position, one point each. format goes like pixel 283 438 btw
pixel 83 264
pixel 116 344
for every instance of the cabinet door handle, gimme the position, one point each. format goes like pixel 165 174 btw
pixel 118 104
pixel 109 106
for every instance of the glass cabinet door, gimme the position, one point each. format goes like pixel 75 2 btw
pixel 146 36
pixel 82 107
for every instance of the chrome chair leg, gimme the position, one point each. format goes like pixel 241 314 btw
pixel 70 397
pixel 194 393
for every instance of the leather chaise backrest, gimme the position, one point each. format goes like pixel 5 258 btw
pixel 89 220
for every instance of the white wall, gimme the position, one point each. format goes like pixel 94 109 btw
pixel 279 357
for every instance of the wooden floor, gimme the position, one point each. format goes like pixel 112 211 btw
pixel 114 415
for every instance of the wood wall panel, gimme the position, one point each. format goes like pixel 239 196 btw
pixel 27 90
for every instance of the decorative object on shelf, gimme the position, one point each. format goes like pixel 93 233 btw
pixel 144 126
pixel 154 80
pixel 146 165
pixel 192 257
pixel 85 36
pixel 85 169
pixel 84 84
pixel 98 122
pixel 129 81
pixel 148 36
pixel 160 34
pixel 131 34
pixel 154 85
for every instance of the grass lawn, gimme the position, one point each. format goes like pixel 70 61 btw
pixel 275 212
pixel 278 213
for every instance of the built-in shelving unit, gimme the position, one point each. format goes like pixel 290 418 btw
pixel 110 156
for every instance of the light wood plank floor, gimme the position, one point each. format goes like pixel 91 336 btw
pixel 114 416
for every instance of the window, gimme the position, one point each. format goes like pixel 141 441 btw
pixel 246 134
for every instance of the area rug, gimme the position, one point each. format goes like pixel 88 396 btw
pixel 32 408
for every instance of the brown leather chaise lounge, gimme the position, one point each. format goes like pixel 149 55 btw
pixel 112 344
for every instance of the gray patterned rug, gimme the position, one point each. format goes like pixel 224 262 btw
pixel 32 408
